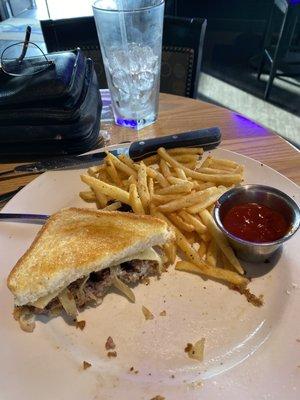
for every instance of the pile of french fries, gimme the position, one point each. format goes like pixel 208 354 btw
pixel 180 188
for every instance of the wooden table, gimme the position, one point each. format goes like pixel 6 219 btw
pixel 179 114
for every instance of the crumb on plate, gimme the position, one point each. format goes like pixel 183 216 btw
pixel 196 351
pixel 147 313
pixel 110 344
pixel 80 325
pixel 86 365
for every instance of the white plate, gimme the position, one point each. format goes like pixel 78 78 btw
pixel 250 353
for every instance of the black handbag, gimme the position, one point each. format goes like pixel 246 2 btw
pixel 56 111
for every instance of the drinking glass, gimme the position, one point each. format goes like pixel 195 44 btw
pixel 130 36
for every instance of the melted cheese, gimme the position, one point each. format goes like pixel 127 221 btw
pixel 43 301
pixel 148 254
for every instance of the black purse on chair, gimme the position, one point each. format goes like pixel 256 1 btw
pixel 49 105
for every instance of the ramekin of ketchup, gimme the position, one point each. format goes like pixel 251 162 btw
pixel 256 219
pixel 255 222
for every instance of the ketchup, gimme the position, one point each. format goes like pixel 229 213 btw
pixel 255 223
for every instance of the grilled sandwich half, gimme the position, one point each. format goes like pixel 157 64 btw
pixel 78 255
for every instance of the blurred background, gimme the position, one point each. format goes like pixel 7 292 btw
pixel 239 35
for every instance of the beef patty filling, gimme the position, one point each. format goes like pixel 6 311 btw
pixel 91 290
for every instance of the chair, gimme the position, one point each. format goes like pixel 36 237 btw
pixel 181 56
pixel 291 11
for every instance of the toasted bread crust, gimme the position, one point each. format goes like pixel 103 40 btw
pixel 77 241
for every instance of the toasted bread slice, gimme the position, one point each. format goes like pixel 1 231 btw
pixel 75 242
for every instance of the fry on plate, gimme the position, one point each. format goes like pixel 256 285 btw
pixel 142 186
pixel 135 200
pixel 170 250
pixel 180 173
pixel 165 169
pixel 88 196
pixel 180 223
pixel 185 150
pixel 111 191
pixel 113 206
pixel 200 228
pixel 182 242
pixel 221 240
pixel 188 200
pixel 202 250
pixel 112 172
pixel 215 178
pixel 162 199
pixel 213 272
pixel 206 202
pixel 211 255
pixel 129 170
pixel 101 199
pixel 177 188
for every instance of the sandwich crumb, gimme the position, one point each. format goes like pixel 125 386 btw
pixel 112 354
pixel 135 371
pixel 147 313
pixel 164 268
pixel 86 365
pixel 110 345
pixel 146 280
pixel 188 347
pixel 80 325
pixel 196 351
pixel 158 397
pixel 196 385
pixel 163 313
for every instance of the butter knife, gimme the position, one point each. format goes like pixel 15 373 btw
pixel 206 138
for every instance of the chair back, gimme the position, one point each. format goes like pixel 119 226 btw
pixel 181 55
pixel 183 40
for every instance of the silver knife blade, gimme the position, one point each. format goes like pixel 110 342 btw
pixel 24 218
pixel 69 162
pixel 61 163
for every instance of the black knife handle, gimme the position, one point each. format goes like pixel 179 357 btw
pixel 206 138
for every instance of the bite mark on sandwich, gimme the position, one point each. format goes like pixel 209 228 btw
pixel 76 258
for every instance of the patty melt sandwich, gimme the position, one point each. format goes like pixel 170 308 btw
pixel 78 255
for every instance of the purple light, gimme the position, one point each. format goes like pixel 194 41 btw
pixel 130 123
pixel 248 127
